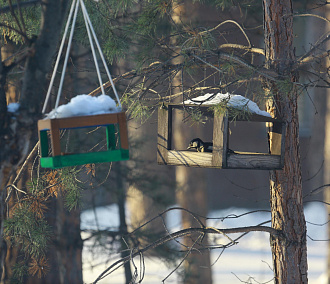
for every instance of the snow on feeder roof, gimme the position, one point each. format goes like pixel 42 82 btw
pixel 231 100
pixel 220 156
pixel 82 111
pixel 85 105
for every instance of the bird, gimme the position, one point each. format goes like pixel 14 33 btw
pixel 200 146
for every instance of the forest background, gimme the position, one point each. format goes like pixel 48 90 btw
pixel 148 38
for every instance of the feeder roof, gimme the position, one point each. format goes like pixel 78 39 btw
pixel 82 105
pixel 232 101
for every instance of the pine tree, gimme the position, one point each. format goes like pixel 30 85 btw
pixel 148 29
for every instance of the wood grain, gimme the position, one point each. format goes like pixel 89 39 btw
pixel 163 140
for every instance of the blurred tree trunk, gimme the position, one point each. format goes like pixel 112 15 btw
pixel 289 250
pixel 192 195
pixel 327 151
pixel 17 137
pixel 327 173
pixel 192 190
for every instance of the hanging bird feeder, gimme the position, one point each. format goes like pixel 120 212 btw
pixel 221 156
pixel 114 121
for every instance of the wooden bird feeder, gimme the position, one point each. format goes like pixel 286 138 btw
pixel 49 129
pixel 117 145
pixel 221 157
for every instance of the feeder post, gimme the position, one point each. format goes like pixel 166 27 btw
pixel 123 135
pixel 164 133
pixel 220 140
pixel 55 137
pixel 277 147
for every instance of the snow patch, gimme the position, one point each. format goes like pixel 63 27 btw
pixel 85 105
pixel 253 251
pixel 13 107
pixel 234 101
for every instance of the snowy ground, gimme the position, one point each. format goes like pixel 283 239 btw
pixel 249 261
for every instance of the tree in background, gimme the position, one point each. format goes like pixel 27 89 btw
pixel 41 229
pixel 36 32
pixel 271 74
pixel 286 185
pixel 274 80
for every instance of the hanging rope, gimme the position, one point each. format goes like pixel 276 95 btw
pixel 90 32
pixel 100 52
pixel 58 56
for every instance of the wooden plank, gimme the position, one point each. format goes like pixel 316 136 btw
pixel 254 161
pixel 190 159
pixel 163 143
pixel 283 144
pixel 86 121
pixel 237 160
pixel 43 124
pixel 123 134
pixel 55 138
pixel 220 141
pixel 169 136
pixel 83 121
pixel 276 138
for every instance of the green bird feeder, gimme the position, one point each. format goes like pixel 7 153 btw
pixel 51 129
pixel 49 137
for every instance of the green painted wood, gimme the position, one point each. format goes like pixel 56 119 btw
pixel 84 158
pixel 43 138
pixel 111 137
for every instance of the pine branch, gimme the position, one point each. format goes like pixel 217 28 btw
pixel 21 5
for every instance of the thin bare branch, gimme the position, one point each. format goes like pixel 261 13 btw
pixel 312 15
pixel 182 233
pixel 226 22
pixel 242 47
pixel 317 190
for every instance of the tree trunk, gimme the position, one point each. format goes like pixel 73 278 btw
pixel 17 139
pixel 326 171
pixel 192 191
pixel 289 251
pixel 3 114
pixel 192 195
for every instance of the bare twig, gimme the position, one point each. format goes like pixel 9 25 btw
pixel 183 259
pixel 317 190
pixel 242 47
pixel 226 22
pixel 182 233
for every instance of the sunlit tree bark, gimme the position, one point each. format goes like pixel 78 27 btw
pixel 289 251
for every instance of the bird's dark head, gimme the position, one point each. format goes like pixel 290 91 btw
pixel 195 144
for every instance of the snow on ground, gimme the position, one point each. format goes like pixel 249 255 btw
pixel 85 105
pixel 13 107
pixel 234 101
pixel 250 259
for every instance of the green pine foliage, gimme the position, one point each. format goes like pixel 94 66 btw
pixel 27 228
pixel 20 271
pixel 71 190
pixel 28 231
pixel 17 25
